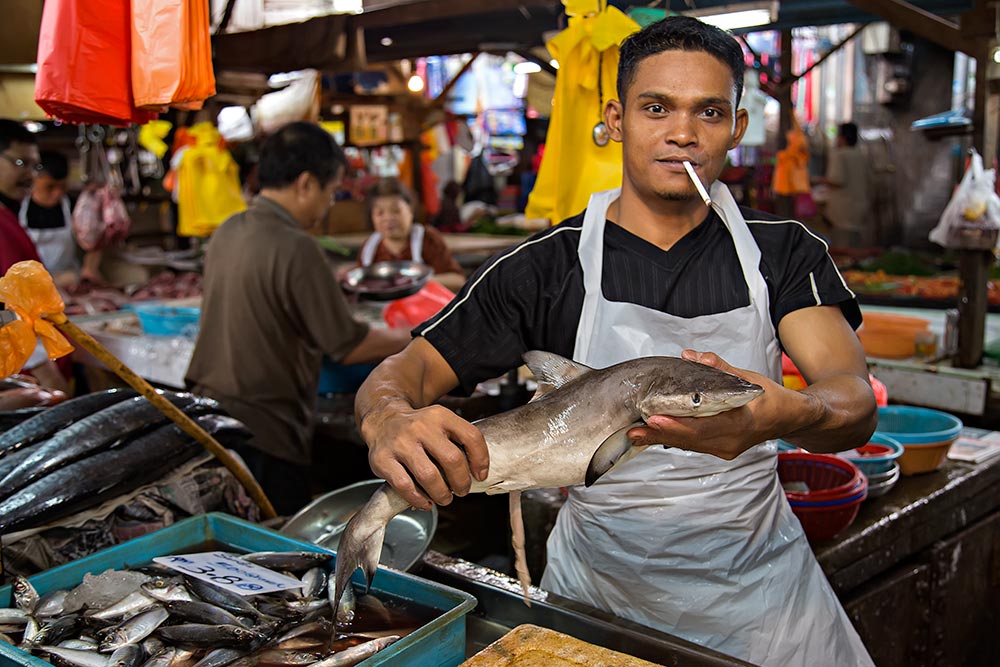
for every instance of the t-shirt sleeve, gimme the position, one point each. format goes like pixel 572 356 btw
pixel 316 301
pixel 436 253
pixel 804 274
pixel 479 333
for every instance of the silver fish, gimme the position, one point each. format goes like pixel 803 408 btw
pixel 355 654
pixel 135 629
pixel 11 616
pixel 76 657
pixel 221 598
pixel 220 657
pixel 343 605
pixel 129 655
pixel 25 595
pixel 216 636
pixel 573 431
pixel 32 634
pixel 320 627
pixel 166 590
pixel 161 658
pixel 131 604
pixel 55 630
pixel 51 604
pixel 314 582
pixel 79 644
pixel 201 612
pixel 284 658
pixel 296 561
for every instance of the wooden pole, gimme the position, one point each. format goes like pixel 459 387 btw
pixel 783 203
pixel 188 425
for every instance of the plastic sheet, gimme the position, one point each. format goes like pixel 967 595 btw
pixel 28 290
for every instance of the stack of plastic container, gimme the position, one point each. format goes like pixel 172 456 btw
pixel 824 491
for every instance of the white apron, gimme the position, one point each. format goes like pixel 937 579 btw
pixel 416 246
pixel 688 543
pixel 56 247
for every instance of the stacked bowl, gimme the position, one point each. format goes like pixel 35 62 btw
pixel 926 435
pixel 824 491
pixel 878 461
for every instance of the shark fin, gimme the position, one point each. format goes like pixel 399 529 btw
pixel 611 451
pixel 552 371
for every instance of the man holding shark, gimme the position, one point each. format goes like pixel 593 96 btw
pixel 695 537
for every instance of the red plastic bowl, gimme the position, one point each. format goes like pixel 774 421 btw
pixel 828 477
pixel 825 523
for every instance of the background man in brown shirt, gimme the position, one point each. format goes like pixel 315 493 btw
pixel 271 309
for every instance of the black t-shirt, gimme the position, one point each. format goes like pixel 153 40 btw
pixel 530 297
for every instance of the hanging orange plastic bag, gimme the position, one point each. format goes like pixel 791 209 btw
pixel 28 290
pixel 84 62
pixel 171 54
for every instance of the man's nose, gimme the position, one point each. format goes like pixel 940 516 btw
pixel 681 130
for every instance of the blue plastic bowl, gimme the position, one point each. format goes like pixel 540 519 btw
pixel 909 425
pixel 874 465
pixel 161 320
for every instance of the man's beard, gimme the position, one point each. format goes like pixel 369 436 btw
pixel 676 196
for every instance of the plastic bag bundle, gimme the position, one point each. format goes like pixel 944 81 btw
pixel 171 54
pixel 28 290
pixel 208 184
pixel 298 101
pixel 84 63
pixel 974 207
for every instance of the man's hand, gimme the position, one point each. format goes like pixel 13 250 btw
pixel 729 434
pixel 426 452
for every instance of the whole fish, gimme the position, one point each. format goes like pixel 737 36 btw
pixel 201 612
pixel 214 636
pixel 162 658
pixel 167 589
pixel 52 603
pixel 276 657
pixel 88 435
pixel 294 561
pixel 573 431
pixel 108 473
pixel 132 603
pixel 222 598
pixel 129 655
pixel 221 657
pixel 60 416
pixel 55 630
pixel 352 656
pixel 135 629
pixel 314 582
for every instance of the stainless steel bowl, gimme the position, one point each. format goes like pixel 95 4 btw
pixel 323 521
pixel 375 282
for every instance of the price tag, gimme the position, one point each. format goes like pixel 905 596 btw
pixel 229 572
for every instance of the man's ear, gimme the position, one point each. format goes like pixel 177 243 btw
pixel 614 112
pixel 740 127
pixel 303 183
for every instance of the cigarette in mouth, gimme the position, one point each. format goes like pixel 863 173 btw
pixel 697 183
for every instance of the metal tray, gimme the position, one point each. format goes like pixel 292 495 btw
pixel 323 521
pixel 416 274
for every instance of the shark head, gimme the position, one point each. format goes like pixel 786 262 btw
pixel 690 389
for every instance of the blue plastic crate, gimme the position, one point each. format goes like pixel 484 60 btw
pixel 440 643
pixel 162 320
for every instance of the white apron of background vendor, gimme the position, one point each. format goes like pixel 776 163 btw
pixel 56 247
pixel 688 543
pixel 416 246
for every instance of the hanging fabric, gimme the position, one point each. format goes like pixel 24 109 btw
pixel 84 55
pixel 578 159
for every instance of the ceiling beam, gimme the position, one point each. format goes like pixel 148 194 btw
pixel 922 23
pixel 431 10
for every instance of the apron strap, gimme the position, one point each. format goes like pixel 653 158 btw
pixel 369 248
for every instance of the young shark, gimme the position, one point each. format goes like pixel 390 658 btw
pixel 573 431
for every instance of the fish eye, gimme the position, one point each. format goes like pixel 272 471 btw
pixel 696 399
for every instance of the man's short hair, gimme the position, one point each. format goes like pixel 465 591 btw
pixel 297 148
pixel 849 131
pixel 13 132
pixel 679 33
pixel 54 164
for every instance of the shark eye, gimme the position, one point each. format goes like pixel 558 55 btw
pixel 695 399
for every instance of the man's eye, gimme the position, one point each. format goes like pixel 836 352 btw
pixel 712 113
pixel 655 108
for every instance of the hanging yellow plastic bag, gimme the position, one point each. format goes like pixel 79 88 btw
pixel 28 290
pixel 208 184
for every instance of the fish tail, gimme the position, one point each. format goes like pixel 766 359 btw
pixel 361 543
pixel 517 541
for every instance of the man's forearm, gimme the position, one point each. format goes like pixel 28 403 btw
pixel 841 415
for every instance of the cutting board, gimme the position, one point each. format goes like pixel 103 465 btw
pixel 532 646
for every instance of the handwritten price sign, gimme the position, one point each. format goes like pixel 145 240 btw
pixel 229 572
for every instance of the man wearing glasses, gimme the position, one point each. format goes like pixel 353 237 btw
pixel 19 162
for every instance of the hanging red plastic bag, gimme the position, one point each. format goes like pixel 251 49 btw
pixel 412 310
pixel 28 290
pixel 84 62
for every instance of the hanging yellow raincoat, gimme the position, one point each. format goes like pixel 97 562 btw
pixel 574 166
pixel 208 184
